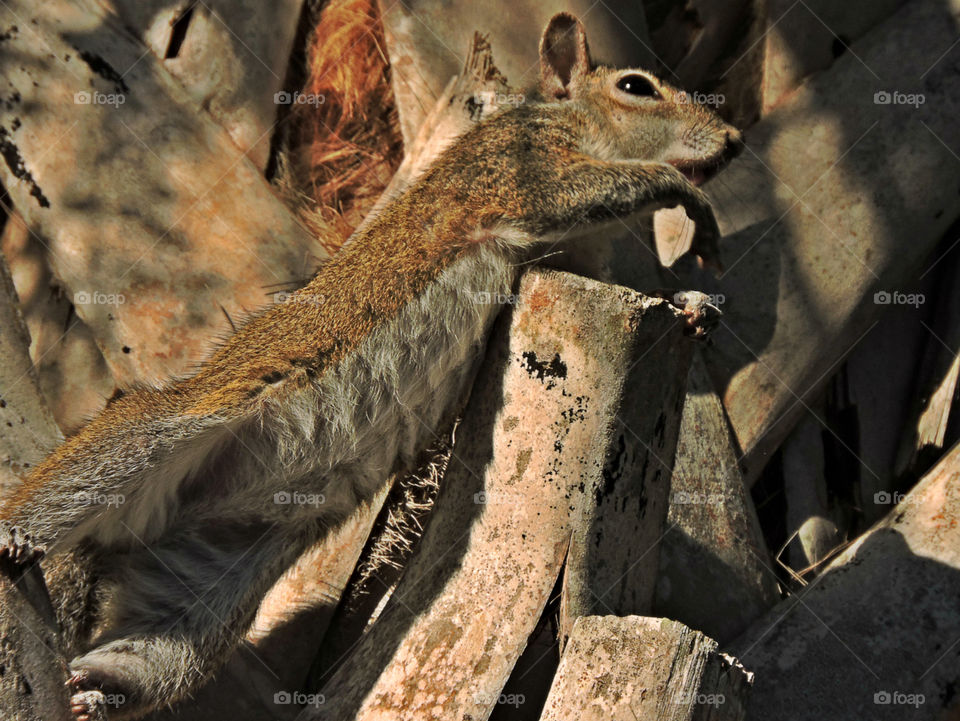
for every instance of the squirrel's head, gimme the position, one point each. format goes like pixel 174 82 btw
pixel 636 115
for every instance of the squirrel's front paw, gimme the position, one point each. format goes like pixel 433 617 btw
pixel 89 706
pixel 701 316
pixel 17 546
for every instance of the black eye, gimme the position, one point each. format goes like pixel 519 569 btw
pixel 637 85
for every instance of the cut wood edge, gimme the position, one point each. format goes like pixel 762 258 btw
pixel 637 668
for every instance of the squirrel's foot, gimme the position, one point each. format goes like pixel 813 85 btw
pixel 100 682
pixel 701 316
pixel 17 546
pixel 89 706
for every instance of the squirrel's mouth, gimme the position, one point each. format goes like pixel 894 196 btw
pixel 700 171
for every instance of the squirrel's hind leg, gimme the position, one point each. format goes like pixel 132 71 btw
pixel 177 610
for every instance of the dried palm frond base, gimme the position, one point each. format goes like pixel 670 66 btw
pixel 340 151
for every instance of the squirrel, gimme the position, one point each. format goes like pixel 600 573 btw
pixel 223 478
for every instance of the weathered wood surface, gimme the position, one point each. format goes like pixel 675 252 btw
pixel 932 404
pixel 811 519
pixel 529 684
pixel 618 527
pixel 875 635
pixel 33 667
pixel 31 659
pixel 808 244
pixel 715 569
pixel 637 668
pixel 880 378
pixel 156 224
pixel 294 616
pixel 27 429
pixel 713 49
pixel 231 60
pixel 72 375
pixel 534 437
pixel 231 56
pixel 693 35
pixel 804 38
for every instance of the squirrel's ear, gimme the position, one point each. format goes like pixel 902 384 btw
pixel 564 57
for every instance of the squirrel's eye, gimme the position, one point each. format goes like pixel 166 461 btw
pixel 637 85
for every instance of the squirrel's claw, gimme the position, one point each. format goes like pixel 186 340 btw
pixel 17 547
pixel 700 315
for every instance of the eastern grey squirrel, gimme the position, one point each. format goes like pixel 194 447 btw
pixel 321 397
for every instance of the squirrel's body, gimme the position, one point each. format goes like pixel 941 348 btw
pixel 227 476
